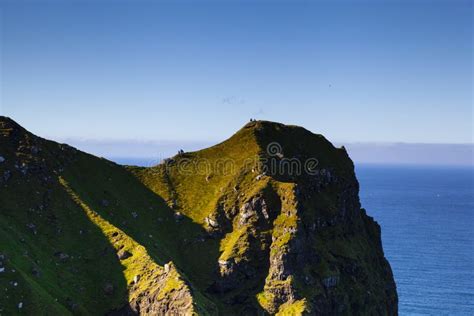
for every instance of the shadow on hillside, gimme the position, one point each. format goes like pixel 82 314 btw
pixel 145 217
pixel 97 272
pixel 103 265
pixel 126 310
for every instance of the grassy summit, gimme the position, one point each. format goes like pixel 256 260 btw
pixel 267 221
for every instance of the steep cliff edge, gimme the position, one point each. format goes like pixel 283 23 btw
pixel 267 222
pixel 283 204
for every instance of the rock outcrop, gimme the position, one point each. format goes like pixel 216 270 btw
pixel 288 219
pixel 267 222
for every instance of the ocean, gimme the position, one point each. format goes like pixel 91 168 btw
pixel 427 220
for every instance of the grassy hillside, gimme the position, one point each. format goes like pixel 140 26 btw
pixel 244 227
pixel 227 202
pixel 57 258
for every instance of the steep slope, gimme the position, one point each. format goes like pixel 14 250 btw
pixel 80 235
pixel 267 222
pixel 286 213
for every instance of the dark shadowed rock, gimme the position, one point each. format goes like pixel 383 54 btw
pixel 123 254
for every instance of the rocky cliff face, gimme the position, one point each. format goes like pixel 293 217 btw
pixel 292 235
pixel 267 222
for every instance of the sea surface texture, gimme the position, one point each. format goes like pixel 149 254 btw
pixel 427 220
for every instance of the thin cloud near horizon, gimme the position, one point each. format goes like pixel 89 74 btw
pixel 361 152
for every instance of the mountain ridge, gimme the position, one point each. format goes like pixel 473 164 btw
pixel 246 225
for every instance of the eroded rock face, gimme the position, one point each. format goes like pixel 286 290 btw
pixel 169 295
pixel 318 256
pixel 289 243
pixel 165 293
pixel 310 255
pixel 314 245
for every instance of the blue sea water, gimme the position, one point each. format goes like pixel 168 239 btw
pixel 427 220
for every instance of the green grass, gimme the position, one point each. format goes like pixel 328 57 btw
pixel 83 209
pixel 139 264
pixel 235 244
pixel 292 308
pixel 199 179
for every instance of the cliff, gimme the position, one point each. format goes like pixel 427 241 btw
pixel 267 222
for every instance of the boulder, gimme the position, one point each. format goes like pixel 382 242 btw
pixel 136 279
pixel 178 216
pixel 35 272
pixel 124 254
pixel 211 222
pixel 330 281
pixel 63 257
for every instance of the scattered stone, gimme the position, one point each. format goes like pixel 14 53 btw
pixel 24 168
pixel 35 272
pixel 134 214
pixel 246 212
pixel 200 239
pixel 32 227
pixel 264 209
pixel 330 281
pixel 2 159
pixel 20 305
pixel 136 279
pixel 167 267
pixel 173 204
pixel 108 288
pixel 62 256
pixel 178 216
pixel 2 269
pixel 212 223
pixel 72 305
pixel 104 203
pixel 7 175
pixel 124 254
pixel 246 207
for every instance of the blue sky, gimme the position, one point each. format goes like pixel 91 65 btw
pixel 355 71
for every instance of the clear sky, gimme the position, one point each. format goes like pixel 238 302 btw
pixel 355 71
